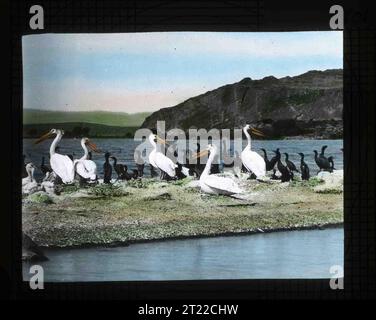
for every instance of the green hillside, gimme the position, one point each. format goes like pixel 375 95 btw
pixel 79 129
pixel 119 119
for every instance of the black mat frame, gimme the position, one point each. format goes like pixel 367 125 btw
pixel 102 16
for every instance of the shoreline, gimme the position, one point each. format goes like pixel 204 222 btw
pixel 337 225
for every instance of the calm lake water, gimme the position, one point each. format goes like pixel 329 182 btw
pixel 123 149
pixel 278 255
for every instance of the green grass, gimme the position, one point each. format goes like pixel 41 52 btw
pixel 161 210
pixel 121 119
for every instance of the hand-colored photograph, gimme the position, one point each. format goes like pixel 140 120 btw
pixel 182 155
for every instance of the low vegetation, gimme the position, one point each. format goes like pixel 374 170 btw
pixel 150 209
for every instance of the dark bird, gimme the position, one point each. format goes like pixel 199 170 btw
pixel 273 161
pixel 44 168
pixel 121 170
pixel 107 168
pixel 269 164
pixel 331 161
pixel 179 171
pixel 321 161
pixel 304 168
pixel 153 173
pixel 135 174
pixel 323 151
pixel 290 165
pixel 286 174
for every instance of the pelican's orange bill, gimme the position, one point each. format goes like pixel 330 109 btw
pixel 200 154
pixel 42 138
pixel 257 132
pixel 93 147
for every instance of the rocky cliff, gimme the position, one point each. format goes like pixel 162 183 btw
pixel 308 105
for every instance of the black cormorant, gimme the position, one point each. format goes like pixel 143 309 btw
pixel 290 165
pixel 268 163
pixel 107 169
pixel 322 162
pixel 273 161
pixel 285 172
pixel 121 170
pixel 304 168
pixel 331 161
pixel 44 168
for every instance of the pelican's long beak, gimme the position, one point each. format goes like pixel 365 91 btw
pixel 93 146
pixel 257 132
pixel 44 137
pixel 162 141
pixel 200 154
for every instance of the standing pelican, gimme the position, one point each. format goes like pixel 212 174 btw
pixel 213 184
pixel 29 185
pixel 85 168
pixel 158 160
pixel 62 165
pixel 252 161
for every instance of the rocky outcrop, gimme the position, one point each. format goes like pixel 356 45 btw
pixel 308 105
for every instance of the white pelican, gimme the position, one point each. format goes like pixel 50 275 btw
pixel 251 160
pixel 29 185
pixel 158 160
pixel 62 165
pixel 84 167
pixel 214 184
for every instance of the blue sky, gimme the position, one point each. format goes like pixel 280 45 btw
pixel 148 71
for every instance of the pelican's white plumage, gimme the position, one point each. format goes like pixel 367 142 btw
pixel 62 165
pixel 251 159
pixel 214 184
pixel 87 169
pixel 29 185
pixel 158 160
